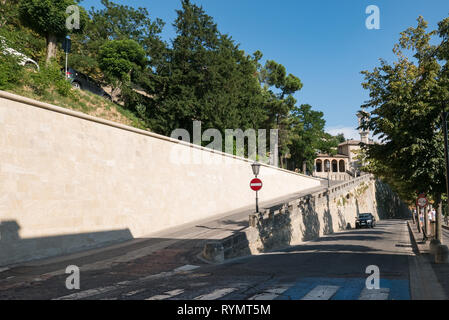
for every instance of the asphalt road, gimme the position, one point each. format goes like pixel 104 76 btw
pixel 333 267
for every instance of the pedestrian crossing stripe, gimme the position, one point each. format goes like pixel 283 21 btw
pixel 303 289
pixel 349 289
pixel 321 293
pixel 312 289
pixel 270 293
pixel 217 294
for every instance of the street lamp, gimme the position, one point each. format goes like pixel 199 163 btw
pixel 256 167
pixel 328 168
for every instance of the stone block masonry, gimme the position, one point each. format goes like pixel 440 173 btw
pixel 69 181
pixel 311 216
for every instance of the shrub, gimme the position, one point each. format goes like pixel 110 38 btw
pixel 10 72
pixel 50 76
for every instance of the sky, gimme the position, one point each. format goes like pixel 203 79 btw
pixel 325 43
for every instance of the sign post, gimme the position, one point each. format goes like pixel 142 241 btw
pixel 66 45
pixel 256 185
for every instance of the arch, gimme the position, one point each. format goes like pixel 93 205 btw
pixel 326 165
pixel 319 166
pixel 334 166
pixel 342 166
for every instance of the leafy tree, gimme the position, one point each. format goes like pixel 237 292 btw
pixel 280 103
pixel 407 98
pixel 206 77
pixel 308 136
pixel 115 22
pixel 48 18
pixel 121 61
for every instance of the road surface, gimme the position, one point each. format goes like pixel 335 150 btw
pixel 333 267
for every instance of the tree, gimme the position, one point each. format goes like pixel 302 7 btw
pixel 406 99
pixel 308 136
pixel 121 61
pixel 48 18
pixel 280 104
pixel 115 22
pixel 206 77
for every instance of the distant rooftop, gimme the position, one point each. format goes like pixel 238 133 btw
pixel 350 142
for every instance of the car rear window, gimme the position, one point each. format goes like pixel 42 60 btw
pixel 364 215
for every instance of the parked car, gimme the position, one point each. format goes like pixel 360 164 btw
pixel 365 220
pixel 23 60
pixel 82 81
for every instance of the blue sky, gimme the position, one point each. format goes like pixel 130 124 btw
pixel 324 43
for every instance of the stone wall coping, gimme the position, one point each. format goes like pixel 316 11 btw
pixel 80 115
pixel 342 188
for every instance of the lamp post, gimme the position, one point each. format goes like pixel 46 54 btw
pixel 256 168
pixel 328 168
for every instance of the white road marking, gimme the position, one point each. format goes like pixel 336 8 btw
pixel 217 294
pixel 187 267
pixel 270 294
pixel 129 294
pixel 374 294
pixel 321 293
pixel 96 291
pixel 87 293
pixel 167 295
pixel 4 269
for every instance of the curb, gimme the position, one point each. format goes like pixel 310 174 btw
pixel 420 246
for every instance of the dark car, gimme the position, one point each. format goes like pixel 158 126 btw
pixel 81 81
pixel 365 220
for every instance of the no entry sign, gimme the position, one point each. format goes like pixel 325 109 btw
pixel 256 184
pixel 422 201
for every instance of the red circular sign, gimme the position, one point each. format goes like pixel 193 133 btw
pixel 256 184
pixel 422 202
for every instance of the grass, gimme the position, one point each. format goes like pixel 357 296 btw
pixel 86 102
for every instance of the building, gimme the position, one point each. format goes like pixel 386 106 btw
pixel 344 165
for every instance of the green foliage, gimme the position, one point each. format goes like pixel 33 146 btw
pixel 47 16
pixel 407 98
pixel 120 59
pixel 115 22
pixel 205 77
pixel 308 136
pixel 10 71
pixel 48 77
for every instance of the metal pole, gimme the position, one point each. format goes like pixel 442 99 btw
pixel 66 54
pixel 257 202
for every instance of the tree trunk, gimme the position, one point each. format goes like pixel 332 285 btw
pixel 439 217
pixel 51 47
pixel 426 221
pixel 418 213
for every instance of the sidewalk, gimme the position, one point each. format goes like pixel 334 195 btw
pixel 431 280
pixel 157 253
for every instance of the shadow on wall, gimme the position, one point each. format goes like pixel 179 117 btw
pixel 327 218
pixel 310 220
pixel 276 229
pixel 389 205
pixel 14 249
